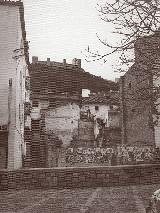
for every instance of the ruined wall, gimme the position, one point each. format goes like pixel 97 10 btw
pixel 149 55
pixel 86 133
pixel 114 119
pixel 139 90
pixel 63 121
pixel 137 110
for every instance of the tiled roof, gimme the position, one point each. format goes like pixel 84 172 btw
pixel 65 78
pixel 110 98
pixel 67 66
pixel 7 2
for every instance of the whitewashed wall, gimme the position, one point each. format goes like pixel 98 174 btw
pixel 63 121
pixel 102 113
pixel 10 40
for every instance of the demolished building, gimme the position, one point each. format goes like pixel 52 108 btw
pixel 103 112
pixel 56 97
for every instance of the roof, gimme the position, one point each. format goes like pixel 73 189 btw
pixel 21 11
pixel 54 64
pixel 58 78
pixel 110 98
pixel 10 3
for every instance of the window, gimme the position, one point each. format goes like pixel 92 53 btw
pixel 10 82
pixel 129 85
pixel 96 108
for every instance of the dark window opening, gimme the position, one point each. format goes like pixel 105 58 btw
pixel 129 85
pixel 96 108
pixel 10 82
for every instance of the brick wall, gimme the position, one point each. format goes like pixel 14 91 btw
pixel 79 177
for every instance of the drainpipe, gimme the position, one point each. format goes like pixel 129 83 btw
pixel 10 147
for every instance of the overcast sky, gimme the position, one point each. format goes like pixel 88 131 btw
pixel 63 29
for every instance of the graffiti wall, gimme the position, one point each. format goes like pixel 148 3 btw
pixel 112 156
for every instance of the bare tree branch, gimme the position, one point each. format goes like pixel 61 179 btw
pixel 131 19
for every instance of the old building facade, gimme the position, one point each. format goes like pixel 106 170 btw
pixel 56 96
pixel 103 109
pixel 140 95
pixel 13 73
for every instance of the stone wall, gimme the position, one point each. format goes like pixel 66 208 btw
pixel 114 119
pixel 137 98
pixel 86 133
pixel 79 177
pixel 63 121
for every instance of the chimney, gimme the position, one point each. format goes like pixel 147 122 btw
pixel 34 59
pixel 48 61
pixel 64 61
pixel 76 62
pixel 79 63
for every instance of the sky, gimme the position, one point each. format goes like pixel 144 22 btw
pixel 63 29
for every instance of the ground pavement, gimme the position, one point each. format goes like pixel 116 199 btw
pixel 126 199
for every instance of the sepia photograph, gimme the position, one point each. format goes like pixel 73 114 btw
pixel 79 106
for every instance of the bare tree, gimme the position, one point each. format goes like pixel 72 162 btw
pixel 144 76
pixel 131 19
pixel 136 26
